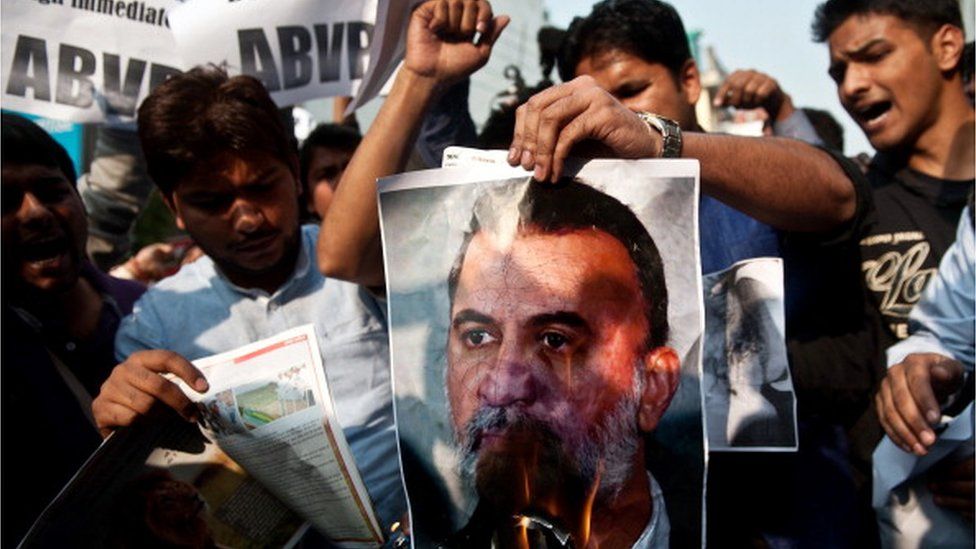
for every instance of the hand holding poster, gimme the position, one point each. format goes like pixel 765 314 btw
pixel 546 354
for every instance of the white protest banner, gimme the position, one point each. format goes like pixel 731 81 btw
pixel 300 49
pixel 85 60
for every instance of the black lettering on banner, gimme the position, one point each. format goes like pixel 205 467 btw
pixel 357 47
pixel 68 75
pixel 296 64
pixel 121 98
pixel 254 49
pixel 159 73
pixel 27 50
pixel 329 55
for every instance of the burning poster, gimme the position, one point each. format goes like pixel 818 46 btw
pixel 545 351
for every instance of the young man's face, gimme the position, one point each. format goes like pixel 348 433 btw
pixel 325 168
pixel 887 78
pixel 644 86
pixel 242 210
pixel 547 337
pixel 44 227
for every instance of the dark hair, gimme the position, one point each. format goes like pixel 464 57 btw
pixel 828 129
pixel 966 63
pixel 649 29
pixel 331 136
pixel 572 205
pixel 24 142
pixel 193 116
pixel 925 15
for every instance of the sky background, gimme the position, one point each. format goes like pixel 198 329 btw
pixel 772 36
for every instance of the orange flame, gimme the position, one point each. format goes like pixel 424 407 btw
pixel 587 513
pixel 523 533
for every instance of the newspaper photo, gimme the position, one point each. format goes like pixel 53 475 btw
pixel 545 353
pixel 750 404
pixel 161 483
pixel 270 409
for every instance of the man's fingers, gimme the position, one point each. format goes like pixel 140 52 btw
pixel 733 96
pixel 551 121
pixel 578 129
pixel 765 89
pixel 915 389
pixel 947 377
pixel 729 90
pixel 768 95
pixel 455 14
pixel 905 397
pixel 485 16
pixel 144 387
pixel 719 99
pixel 440 16
pixel 750 91
pixel 172 363
pixel 899 432
pixel 469 18
pixel 523 146
pixel 125 392
pixel 111 415
pixel 879 405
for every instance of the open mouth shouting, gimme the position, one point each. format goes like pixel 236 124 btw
pixel 872 116
pixel 45 252
pixel 46 261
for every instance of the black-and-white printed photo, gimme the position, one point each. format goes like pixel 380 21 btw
pixel 749 399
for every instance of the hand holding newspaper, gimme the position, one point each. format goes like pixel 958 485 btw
pixel 269 408
pixel 275 450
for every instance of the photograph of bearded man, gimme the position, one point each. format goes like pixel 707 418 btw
pixel 557 366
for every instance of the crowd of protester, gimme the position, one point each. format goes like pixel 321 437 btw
pixel 878 252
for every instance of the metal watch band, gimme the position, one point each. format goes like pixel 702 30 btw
pixel 669 130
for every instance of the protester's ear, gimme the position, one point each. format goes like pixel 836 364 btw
pixel 690 81
pixel 662 370
pixel 947 44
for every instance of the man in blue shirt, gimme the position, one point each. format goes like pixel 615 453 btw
pixel 223 160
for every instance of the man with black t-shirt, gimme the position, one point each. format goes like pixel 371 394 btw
pixel 896 66
pixel 897 73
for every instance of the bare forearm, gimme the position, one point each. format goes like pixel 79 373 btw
pixel 782 182
pixel 349 244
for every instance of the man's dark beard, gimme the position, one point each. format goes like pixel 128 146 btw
pixel 527 471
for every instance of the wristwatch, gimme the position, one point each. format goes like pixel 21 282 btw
pixel 668 129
